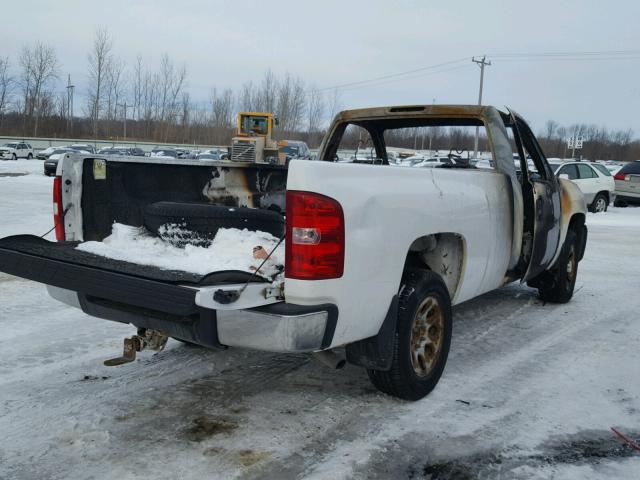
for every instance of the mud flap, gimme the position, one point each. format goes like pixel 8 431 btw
pixel 376 353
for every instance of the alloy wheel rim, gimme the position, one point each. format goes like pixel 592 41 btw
pixel 600 205
pixel 427 333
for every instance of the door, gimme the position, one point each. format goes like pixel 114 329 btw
pixel 588 182
pixel 546 198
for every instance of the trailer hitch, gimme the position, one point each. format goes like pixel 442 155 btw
pixel 145 340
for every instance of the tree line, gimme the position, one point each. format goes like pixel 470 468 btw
pixel 155 101
pixel 158 107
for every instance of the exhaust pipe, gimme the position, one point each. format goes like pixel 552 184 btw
pixel 330 359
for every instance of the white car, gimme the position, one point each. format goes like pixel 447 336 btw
pixel 594 181
pixel 16 150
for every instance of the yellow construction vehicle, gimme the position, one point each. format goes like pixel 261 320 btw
pixel 253 142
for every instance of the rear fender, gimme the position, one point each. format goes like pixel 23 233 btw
pixel 573 208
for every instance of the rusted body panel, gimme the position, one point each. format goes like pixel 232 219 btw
pixel 572 204
pixel 247 187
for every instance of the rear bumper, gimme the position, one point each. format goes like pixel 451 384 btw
pixel 279 327
pixel 177 303
pixel 628 196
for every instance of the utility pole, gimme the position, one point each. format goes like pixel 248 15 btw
pixel 70 89
pixel 125 106
pixel 481 63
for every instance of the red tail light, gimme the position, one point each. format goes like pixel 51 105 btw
pixel 58 209
pixel 314 245
pixel 620 176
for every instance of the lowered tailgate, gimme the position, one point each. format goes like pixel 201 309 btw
pixel 175 292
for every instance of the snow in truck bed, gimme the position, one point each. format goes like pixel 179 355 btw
pixel 231 249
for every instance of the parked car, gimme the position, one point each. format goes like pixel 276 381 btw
pixel 83 147
pixel 164 152
pixel 594 181
pixel 111 151
pixel 51 163
pixel 296 149
pixel 44 154
pixel 213 154
pixel 129 150
pixel 628 184
pixel 374 256
pixel 16 150
pixel 443 161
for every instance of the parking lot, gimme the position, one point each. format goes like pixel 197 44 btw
pixel 530 390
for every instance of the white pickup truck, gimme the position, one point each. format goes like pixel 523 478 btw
pixel 376 254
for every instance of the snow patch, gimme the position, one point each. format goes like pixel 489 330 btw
pixel 231 249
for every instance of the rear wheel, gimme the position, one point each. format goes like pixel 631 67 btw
pixel 599 204
pixel 557 285
pixel 29 157
pixel 422 338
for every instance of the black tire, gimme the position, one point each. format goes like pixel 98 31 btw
pixel 600 203
pixel 620 203
pixel 29 157
pixel 557 285
pixel 14 157
pixel 403 379
pixel 205 219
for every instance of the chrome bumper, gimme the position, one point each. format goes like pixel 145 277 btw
pixel 279 327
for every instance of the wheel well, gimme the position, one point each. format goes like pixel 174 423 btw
pixel 605 193
pixel 442 253
pixel 577 225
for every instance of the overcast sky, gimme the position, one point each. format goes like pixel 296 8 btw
pixel 327 43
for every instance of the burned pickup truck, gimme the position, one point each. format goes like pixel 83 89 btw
pixel 375 254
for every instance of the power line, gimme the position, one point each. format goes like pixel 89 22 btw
pixel 504 57
pixel 568 54
pixel 394 75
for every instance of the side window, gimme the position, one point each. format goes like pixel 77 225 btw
pixel 356 146
pixel 585 171
pixel 569 170
pixel 21 146
pixel 602 169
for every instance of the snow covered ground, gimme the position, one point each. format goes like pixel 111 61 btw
pixel 530 390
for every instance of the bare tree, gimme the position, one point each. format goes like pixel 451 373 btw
pixel 550 128
pixel 137 87
pixel 114 90
pixel 171 84
pixel 268 92
pixel 291 103
pixel 7 83
pixel 99 62
pixel 315 112
pixel 334 103
pixel 39 68
pixel 247 99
